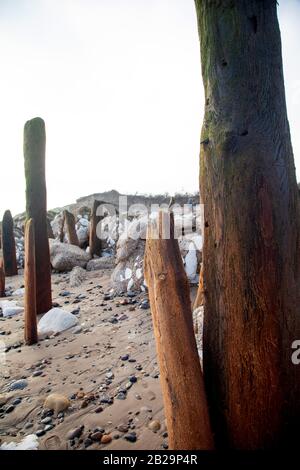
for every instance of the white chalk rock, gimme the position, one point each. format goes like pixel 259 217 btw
pixel 29 442
pixel 55 321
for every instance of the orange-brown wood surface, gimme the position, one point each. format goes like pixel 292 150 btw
pixel 30 332
pixel 180 371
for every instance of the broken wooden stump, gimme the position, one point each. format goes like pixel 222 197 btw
pixel 69 223
pixel 2 278
pixel 8 245
pixel 180 371
pixel 30 331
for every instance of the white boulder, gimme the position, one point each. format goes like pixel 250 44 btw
pixel 55 321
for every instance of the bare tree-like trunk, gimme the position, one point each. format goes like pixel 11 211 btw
pixel 36 207
pixel 251 253
pixel 9 245
pixel 30 327
pixel 180 371
pixel 2 278
pixel 69 223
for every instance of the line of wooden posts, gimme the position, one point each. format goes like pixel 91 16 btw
pixel 181 376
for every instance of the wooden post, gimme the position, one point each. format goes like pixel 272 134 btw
pixel 200 292
pixel 8 245
pixel 180 371
pixel 36 207
pixel 95 242
pixel 69 221
pixel 2 278
pixel 30 332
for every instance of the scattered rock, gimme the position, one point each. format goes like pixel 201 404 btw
pixel 65 257
pixel 55 321
pixel 73 433
pixel 154 425
pixel 18 385
pixel 106 439
pixel 57 402
pixel 77 276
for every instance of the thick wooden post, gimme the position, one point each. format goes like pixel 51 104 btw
pixel 180 371
pixel 69 222
pixel 36 207
pixel 30 331
pixel 8 245
pixel 2 278
pixel 95 242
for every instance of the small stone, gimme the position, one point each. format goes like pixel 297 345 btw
pixel 125 357
pixel 57 402
pixel 88 442
pixel 96 436
pixel 18 385
pixel 37 373
pixel 48 427
pixel 40 432
pixel 109 375
pixel 121 396
pixel 17 401
pixel 9 409
pixel 122 428
pixel 46 420
pixel 75 433
pixel 130 437
pixel 133 379
pixel 99 409
pixel 106 439
pixel 28 425
pixel 154 426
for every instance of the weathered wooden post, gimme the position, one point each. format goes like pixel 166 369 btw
pixel 36 207
pixel 180 371
pixel 8 245
pixel 95 241
pixel 2 278
pixel 69 222
pixel 30 331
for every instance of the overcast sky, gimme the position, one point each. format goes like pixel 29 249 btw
pixel 118 83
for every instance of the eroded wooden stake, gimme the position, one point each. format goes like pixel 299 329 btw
pixel 2 278
pixel 180 371
pixel 30 332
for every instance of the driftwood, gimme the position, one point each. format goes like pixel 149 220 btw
pixel 180 371
pixel 30 331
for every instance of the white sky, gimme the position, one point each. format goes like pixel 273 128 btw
pixel 118 83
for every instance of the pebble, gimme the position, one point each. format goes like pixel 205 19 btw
pixel 37 373
pixel 125 357
pixel 46 420
pixel 133 379
pixel 130 437
pixel 122 428
pixel 96 436
pixel 88 442
pixel 40 432
pixel 154 426
pixel 9 409
pixel 18 385
pixel 106 439
pixel 57 402
pixel 75 432
pixel 121 396
pixel 17 401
